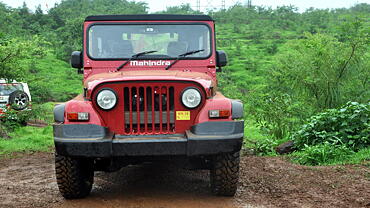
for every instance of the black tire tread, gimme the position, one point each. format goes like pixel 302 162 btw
pixel 225 174
pixel 75 177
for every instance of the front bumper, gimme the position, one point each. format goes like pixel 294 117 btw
pixel 88 140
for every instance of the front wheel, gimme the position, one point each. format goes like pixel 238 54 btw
pixel 75 177
pixel 225 174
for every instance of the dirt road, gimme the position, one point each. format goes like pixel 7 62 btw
pixel 28 181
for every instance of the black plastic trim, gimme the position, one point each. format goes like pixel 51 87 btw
pixel 59 112
pixel 223 128
pixel 213 145
pixel 237 109
pixel 80 131
pixel 149 147
pixel 99 142
pixel 149 17
pixel 84 148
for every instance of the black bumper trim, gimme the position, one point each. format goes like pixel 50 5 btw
pixel 218 128
pixel 83 148
pixel 209 145
pixel 190 144
pixel 81 131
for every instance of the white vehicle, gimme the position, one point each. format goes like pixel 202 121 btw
pixel 15 95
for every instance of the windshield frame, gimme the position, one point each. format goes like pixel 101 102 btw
pixel 211 36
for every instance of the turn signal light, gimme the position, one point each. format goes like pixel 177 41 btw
pixel 219 113
pixel 80 116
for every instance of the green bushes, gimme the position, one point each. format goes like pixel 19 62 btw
pixel 302 75
pixel 12 119
pixel 311 75
pixel 322 154
pixel 334 136
pixel 349 126
pixel 277 115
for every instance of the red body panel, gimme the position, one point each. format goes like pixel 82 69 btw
pixel 132 117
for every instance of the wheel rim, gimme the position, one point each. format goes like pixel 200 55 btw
pixel 20 100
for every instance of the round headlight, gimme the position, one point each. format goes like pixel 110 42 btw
pixel 106 99
pixel 191 98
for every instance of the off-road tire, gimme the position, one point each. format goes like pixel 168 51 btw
pixel 75 177
pixel 225 174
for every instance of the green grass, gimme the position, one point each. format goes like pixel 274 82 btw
pixel 258 142
pixel 326 154
pixel 27 139
pixel 45 111
pixel 356 158
pixel 252 133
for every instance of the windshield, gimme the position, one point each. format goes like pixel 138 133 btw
pixel 7 89
pixel 121 41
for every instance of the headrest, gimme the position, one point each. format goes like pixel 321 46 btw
pixel 176 48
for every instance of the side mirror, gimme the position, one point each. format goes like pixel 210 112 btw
pixel 76 60
pixel 221 60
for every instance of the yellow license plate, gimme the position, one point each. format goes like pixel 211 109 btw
pixel 183 115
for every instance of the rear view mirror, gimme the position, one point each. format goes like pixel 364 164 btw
pixel 76 60
pixel 221 60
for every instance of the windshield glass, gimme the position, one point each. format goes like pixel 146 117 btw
pixel 7 89
pixel 123 40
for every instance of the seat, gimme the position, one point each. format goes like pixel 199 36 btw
pixel 122 48
pixel 176 48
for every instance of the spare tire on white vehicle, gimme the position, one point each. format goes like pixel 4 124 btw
pixel 18 100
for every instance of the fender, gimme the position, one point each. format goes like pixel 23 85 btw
pixel 219 101
pixel 78 104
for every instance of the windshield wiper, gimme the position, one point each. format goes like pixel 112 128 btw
pixel 133 57
pixel 182 56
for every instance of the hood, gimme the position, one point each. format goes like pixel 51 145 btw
pixel 203 79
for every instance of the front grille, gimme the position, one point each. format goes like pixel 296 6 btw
pixel 149 109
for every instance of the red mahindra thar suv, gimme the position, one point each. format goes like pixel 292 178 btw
pixel 149 93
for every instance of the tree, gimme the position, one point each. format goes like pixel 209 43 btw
pixel 13 53
pixel 182 9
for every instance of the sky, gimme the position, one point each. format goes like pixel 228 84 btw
pixel 159 5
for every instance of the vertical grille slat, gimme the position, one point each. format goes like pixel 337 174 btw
pixel 153 110
pixel 172 102
pixel 149 109
pixel 145 111
pixel 138 109
pixel 160 110
pixel 168 108
pixel 130 109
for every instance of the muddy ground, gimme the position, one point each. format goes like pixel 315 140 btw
pixel 28 181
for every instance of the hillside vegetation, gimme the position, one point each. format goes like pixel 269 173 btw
pixel 287 67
